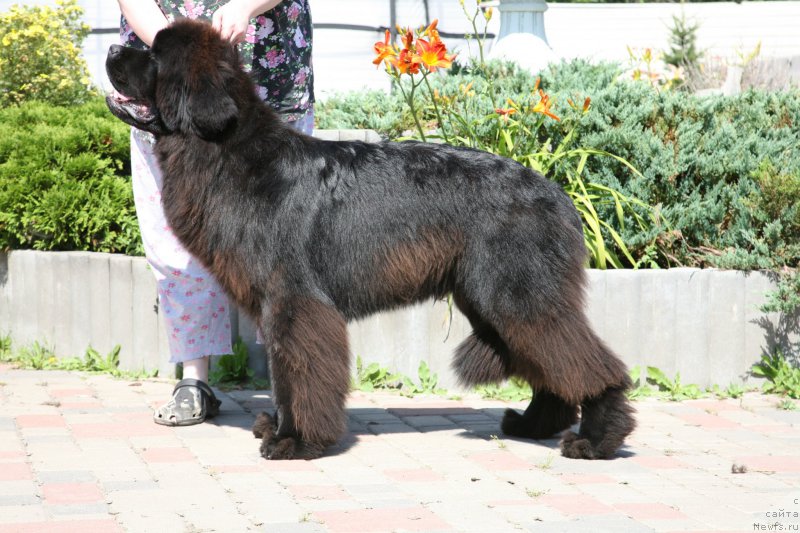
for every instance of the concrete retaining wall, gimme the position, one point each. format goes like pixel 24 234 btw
pixel 705 324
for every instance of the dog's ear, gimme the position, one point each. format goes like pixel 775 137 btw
pixel 211 110
pixel 201 105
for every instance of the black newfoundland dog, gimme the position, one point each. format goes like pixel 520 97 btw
pixel 306 234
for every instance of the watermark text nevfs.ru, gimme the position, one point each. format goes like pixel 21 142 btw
pixel 781 519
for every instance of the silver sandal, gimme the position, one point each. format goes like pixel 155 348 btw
pixel 192 402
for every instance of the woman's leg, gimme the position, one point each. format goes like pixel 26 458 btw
pixel 196 369
pixel 191 302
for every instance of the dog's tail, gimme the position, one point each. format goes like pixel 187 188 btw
pixel 479 361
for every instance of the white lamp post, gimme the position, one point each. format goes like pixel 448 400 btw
pixel 522 37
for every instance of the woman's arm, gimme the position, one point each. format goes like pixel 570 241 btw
pixel 145 18
pixel 232 19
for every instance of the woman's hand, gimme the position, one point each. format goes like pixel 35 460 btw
pixel 232 19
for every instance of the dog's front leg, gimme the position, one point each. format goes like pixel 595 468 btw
pixel 309 362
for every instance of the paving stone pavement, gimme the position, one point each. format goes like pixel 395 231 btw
pixel 79 452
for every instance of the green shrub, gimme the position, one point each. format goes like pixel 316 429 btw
pixel 63 179
pixel 232 367
pixel 40 55
pixel 372 110
pixel 781 375
pixel 700 159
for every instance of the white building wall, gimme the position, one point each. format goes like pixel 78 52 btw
pixel 343 58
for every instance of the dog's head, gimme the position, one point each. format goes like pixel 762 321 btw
pixel 181 85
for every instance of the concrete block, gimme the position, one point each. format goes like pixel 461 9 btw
pixel 365 341
pixel 726 304
pixel 375 339
pixel 62 306
pixel 352 135
pixel 690 326
pixel 619 311
pixel 665 311
pixel 22 267
pixel 80 281
pixel 327 135
pixel 145 317
pixel 5 296
pixel 761 329
pixel 372 136
pixel 765 333
pixel 646 321
pixel 45 289
pixel 705 324
pixel 444 333
pixel 121 308
pixel 100 303
pixel 416 343
pixel 596 300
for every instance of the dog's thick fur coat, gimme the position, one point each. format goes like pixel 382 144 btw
pixel 307 234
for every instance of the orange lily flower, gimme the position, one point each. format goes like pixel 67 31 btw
pixel 406 62
pixel 434 54
pixel 384 50
pixel 586 104
pixel 432 31
pixel 408 40
pixel 505 112
pixel 543 105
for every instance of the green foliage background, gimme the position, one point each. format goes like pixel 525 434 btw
pixel 64 179
pixel 40 54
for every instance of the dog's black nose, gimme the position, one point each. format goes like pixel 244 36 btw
pixel 114 50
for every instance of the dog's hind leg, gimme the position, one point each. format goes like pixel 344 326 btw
pixel 561 356
pixel 483 358
pixel 309 362
pixel 546 416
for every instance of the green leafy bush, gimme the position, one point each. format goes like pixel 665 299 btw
pixel 701 160
pixel 514 390
pixel 40 55
pixel 781 376
pixel 373 376
pixel 232 367
pixel 63 180
pixel 371 110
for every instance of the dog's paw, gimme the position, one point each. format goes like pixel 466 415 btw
pixel 512 424
pixel 576 447
pixel 278 448
pixel 264 427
